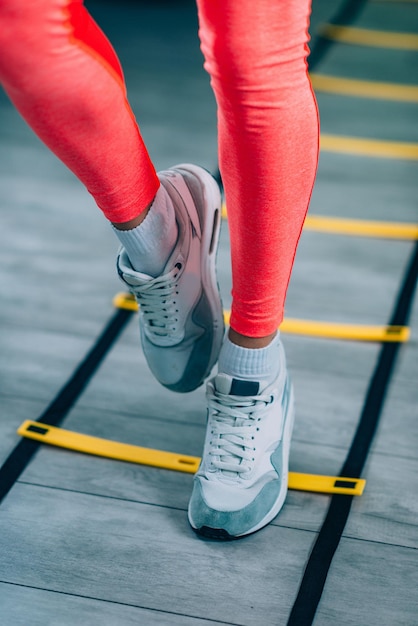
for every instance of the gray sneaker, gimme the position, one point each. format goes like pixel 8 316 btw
pixel 241 484
pixel 180 311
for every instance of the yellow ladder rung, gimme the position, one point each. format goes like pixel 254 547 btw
pixel 97 446
pixel 364 88
pixel 125 301
pixel 362 228
pixel 357 228
pixel 369 37
pixel 374 148
pixel 326 484
pixel 326 330
pixel 347 332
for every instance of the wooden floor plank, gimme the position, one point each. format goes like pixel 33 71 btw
pixel 144 555
pixel 370 583
pixel 389 512
pixel 379 190
pixel 48 608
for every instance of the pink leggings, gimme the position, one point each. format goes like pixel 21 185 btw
pixel 63 76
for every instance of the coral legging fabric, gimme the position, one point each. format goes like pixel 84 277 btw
pixel 65 79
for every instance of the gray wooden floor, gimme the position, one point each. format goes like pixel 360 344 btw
pixel 91 541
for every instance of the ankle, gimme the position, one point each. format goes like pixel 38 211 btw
pixel 150 243
pixel 250 342
pixel 261 363
pixel 136 221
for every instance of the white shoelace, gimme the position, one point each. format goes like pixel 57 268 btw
pixel 158 303
pixel 233 423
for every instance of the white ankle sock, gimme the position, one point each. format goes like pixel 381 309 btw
pixel 260 364
pixel 150 244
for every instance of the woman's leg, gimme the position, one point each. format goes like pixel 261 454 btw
pixel 65 79
pixel 255 53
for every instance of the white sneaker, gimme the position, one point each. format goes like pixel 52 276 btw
pixel 241 484
pixel 180 311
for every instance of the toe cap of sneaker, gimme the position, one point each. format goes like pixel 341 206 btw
pixel 236 522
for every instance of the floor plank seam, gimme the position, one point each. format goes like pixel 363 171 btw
pixel 110 413
pixel 379 543
pixel 88 337
pixel 99 495
pixel 114 602
pixel 275 522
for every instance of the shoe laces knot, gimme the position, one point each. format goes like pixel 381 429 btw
pixel 157 299
pixel 234 423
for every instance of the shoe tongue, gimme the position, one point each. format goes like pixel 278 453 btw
pixel 236 386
